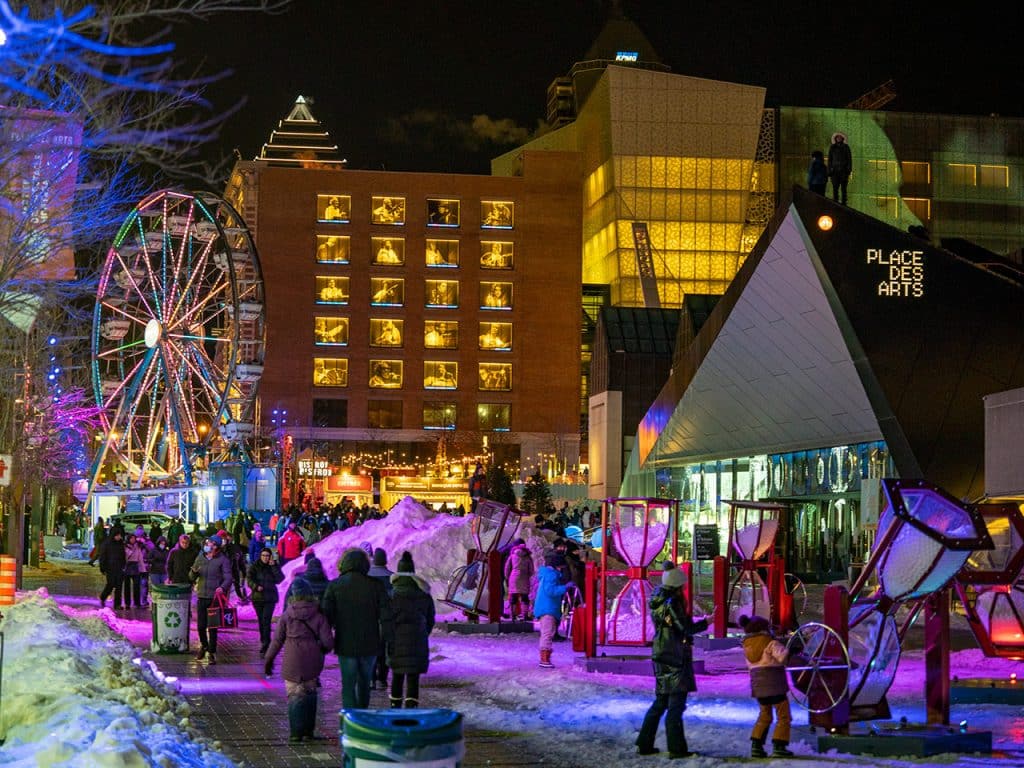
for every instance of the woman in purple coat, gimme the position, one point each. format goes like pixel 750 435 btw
pixel 306 636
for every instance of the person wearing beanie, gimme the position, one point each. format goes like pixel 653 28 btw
pixel 305 635
pixel 766 659
pixel 672 654
pixel 358 608
pixel 380 571
pixel 547 605
pixel 211 573
pixel 412 610
pixel 264 576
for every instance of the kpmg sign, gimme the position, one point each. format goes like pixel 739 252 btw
pixel 902 272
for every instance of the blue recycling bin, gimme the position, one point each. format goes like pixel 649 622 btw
pixel 427 738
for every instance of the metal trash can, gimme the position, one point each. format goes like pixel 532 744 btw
pixel 427 738
pixel 171 608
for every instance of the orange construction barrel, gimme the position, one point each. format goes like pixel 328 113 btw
pixel 8 573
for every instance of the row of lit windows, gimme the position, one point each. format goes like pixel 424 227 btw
pixel 390 292
pixel 441 211
pixel 387 414
pixel 387 332
pixel 959 174
pixel 390 252
pixel 390 374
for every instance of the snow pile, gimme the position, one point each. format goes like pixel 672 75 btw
pixel 439 543
pixel 74 694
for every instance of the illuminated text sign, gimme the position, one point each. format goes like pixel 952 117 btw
pixel 625 55
pixel 904 271
pixel 318 468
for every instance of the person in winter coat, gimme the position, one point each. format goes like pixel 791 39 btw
pixel 257 544
pixel 412 610
pixel 313 572
pixel 235 553
pixel 359 611
pixel 673 665
pixel 156 561
pixel 817 173
pixel 134 565
pixel 766 660
pixel 519 572
pixel 547 606
pixel 180 559
pixel 379 570
pixel 306 637
pixel 291 544
pixel 840 166
pixel 264 576
pixel 111 560
pixel 211 573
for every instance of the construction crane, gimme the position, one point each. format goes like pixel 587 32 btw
pixel 875 99
pixel 645 265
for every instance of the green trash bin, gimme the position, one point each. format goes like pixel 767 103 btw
pixel 171 609
pixel 423 738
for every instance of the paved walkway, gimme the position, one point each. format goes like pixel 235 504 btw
pixel 233 703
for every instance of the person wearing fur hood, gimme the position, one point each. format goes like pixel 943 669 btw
pixel 519 571
pixel 766 659
pixel 412 611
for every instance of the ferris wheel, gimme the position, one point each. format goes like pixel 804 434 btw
pixel 178 338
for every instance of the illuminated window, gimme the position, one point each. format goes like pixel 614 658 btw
pixel 330 413
pixel 441 335
pixel 494 417
pixel 386 374
pixel 496 336
pixel 330 372
pixel 496 377
pixel 387 210
pixel 916 172
pixel 442 253
pixel 994 176
pixel 331 249
pixel 387 291
pixel 888 205
pixel 442 293
pixel 963 175
pixel 442 212
pixel 388 251
pixel 496 295
pixel 497 214
pixel 495 254
pixel 384 414
pixel 330 331
pixel 439 415
pixel 920 207
pixel 331 290
pixel 440 375
pixel 333 209
pixel 386 333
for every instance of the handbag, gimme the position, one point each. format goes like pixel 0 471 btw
pixel 221 615
pixel 131 568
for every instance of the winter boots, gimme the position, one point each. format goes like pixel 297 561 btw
pixel 412 703
pixel 396 702
pixel 757 748
pixel 201 653
pixel 779 749
pixel 545 658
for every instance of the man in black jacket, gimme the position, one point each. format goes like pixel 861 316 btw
pixel 112 559
pixel 840 166
pixel 180 559
pixel 358 609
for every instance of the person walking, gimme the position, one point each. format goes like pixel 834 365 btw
pixel 156 561
pixel 840 166
pixel 179 561
pixel 264 576
pixel 257 544
pixel 99 533
pixel 111 560
pixel 673 665
pixel 519 572
pixel 306 637
pixel 817 173
pixel 134 565
pixel 766 659
pixel 412 610
pixel 290 545
pixel 211 573
pixel 379 570
pixel 359 611
pixel 547 606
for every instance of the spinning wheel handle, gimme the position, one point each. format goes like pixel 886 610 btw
pixel 819 667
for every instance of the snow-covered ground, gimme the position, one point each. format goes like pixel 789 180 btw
pixel 75 696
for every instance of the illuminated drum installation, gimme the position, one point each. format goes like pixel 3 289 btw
pixel 493 526
pixel 753 528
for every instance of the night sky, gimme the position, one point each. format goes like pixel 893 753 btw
pixel 398 83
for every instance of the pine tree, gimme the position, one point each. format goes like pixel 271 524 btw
pixel 536 494
pixel 499 486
